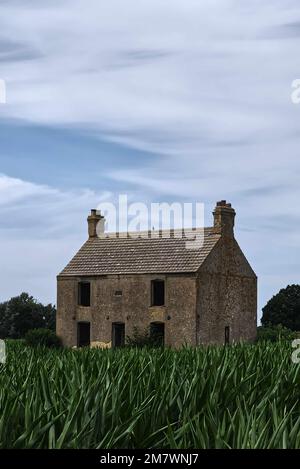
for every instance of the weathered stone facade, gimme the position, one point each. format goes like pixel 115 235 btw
pixel 226 296
pixel 203 306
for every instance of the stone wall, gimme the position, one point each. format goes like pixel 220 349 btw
pixel 226 296
pixel 133 307
pixel 66 326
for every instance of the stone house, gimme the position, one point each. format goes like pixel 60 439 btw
pixel 185 296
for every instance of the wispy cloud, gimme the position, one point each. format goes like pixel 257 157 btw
pixel 40 227
pixel 159 67
pixel 34 211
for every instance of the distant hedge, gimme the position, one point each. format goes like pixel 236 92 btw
pixel 42 337
pixel 275 333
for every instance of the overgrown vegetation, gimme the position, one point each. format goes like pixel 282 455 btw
pixel 276 333
pixel 243 396
pixel 143 338
pixel 42 338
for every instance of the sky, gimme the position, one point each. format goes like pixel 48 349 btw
pixel 162 100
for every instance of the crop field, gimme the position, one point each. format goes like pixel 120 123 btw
pixel 244 396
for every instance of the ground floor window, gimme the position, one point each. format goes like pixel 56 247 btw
pixel 83 334
pixel 118 334
pixel 157 333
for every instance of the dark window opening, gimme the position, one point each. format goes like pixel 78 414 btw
pixel 118 334
pixel 84 294
pixel 118 293
pixel 157 333
pixel 158 293
pixel 83 334
pixel 227 335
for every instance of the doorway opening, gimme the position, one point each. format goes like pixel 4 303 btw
pixel 83 334
pixel 157 333
pixel 118 334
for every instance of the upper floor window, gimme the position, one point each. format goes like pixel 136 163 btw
pixel 84 294
pixel 157 293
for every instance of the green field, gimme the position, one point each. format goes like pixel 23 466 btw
pixel 244 396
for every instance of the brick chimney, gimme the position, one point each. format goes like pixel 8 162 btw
pixel 95 223
pixel 224 218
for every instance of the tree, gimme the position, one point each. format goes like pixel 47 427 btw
pixel 284 308
pixel 23 313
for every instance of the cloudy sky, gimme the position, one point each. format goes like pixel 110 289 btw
pixel 165 100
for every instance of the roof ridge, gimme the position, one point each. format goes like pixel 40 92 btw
pixel 161 231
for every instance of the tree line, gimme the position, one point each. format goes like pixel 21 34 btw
pixel 24 313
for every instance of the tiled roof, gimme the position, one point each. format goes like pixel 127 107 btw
pixel 131 255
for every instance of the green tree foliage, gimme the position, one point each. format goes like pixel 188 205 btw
pixel 284 308
pixel 22 313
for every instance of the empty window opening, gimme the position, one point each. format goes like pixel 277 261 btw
pixel 157 333
pixel 83 334
pixel 118 293
pixel 158 293
pixel 227 335
pixel 84 294
pixel 118 334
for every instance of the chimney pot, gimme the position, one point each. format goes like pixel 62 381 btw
pixel 221 203
pixel 224 216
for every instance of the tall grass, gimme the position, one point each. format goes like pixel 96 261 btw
pixel 246 396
